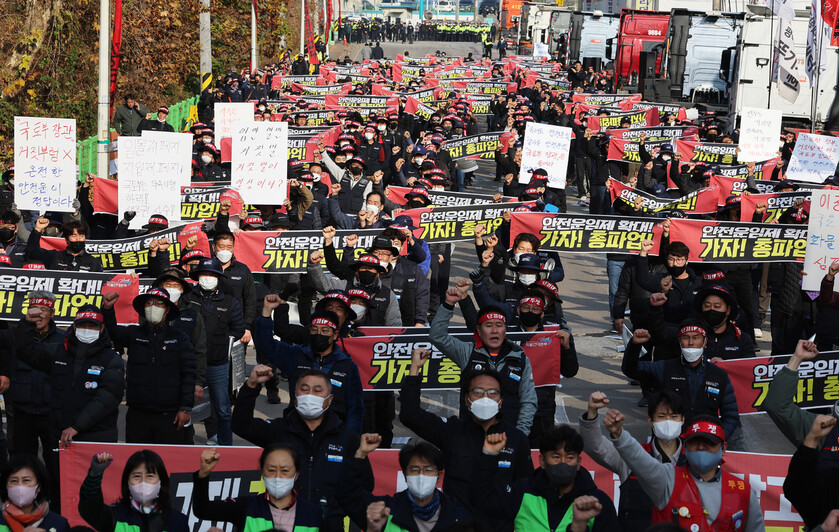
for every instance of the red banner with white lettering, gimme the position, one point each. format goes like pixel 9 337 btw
pixel 237 475
pixel 310 38
pixel 116 45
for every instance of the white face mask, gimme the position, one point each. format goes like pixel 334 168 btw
pixel 207 140
pixel 667 430
pixel 174 294
pixel 692 354
pixel 665 157
pixel 261 107
pixel 517 256
pixel 87 336
pixel 208 282
pixel 144 492
pixel 207 159
pixel 372 208
pixel 224 256
pixel 359 310
pixel 438 189
pixel 278 487
pixel 484 408
pixel 154 315
pixel 161 120
pixel 381 127
pixel 316 177
pixel 528 279
pixel 310 406
pixel 421 486
pixel 369 136
pixel 419 160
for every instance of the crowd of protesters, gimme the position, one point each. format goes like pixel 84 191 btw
pixel 63 386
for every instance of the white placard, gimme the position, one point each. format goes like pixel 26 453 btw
pixel 146 186
pixel 178 148
pixel 540 50
pixel 227 116
pixel 259 162
pixel 45 164
pixel 814 158
pixel 545 147
pixel 760 132
pixel 822 237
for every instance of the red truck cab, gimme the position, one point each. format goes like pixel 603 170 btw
pixel 640 33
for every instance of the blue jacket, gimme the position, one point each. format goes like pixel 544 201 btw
pixel 291 360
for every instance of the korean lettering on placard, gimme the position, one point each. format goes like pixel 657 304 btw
pixel 45 163
pixel 148 179
pixel 259 162
pixel 822 243
pixel 545 147
pixel 760 131
pixel 814 158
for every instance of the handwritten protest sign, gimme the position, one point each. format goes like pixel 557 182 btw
pixel 760 130
pixel 228 115
pixel 260 162
pixel 175 153
pixel 822 237
pixel 146 185
pixel 45 163
pixel 545 147
pixel 814 158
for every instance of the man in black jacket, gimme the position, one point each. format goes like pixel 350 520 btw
pixel 238 277
pixel 160 388
pixel 159 124
pixel 322 441
pixel 461 438
pixel 73 258
pixel 222 315
pixel 12 245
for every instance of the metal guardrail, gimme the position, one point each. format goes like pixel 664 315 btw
pixel 178 118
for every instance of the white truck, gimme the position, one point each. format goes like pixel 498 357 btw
pixel 747 68
pixel 543 24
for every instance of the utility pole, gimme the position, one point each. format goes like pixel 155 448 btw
pixel 204 39
pixel 303 27
pixel 254 52
pixel 104 110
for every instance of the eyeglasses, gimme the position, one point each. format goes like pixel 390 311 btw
pixel 427 470
pixel 678 261
pixel 492 393
pixel 530 308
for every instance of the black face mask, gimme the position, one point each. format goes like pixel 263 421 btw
pixel 366 278
pixel 676 271
pixel 529 319
pixel 6 234
pixel 713 317
pixel 561 474
pixel 319 342
pixel 75 247
pixel 413 204
pixel 355 170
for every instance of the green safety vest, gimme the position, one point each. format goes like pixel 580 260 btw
pixel 391 527
pixel 533 515
pixel 258 524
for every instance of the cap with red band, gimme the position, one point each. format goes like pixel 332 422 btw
pixel 5 259
pixel 159 220
pixel 693 328
pixel 340 296
pixel 323 321
pixel 706 429
pixel 532 301
pixel 358 292
pixel 549 286
pixel 491 316
pixel 89 315
pixel 41 302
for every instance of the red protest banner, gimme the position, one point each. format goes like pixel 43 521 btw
pixel 644 118
pixel 237 474
pixel 714 241
pixel 105 195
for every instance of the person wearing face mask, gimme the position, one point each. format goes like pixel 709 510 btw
pixel 13 244
pixel 86 376
pixel 661 162
pixel 718 307
pixel 158 124
pixel 160 388
pixel 703 387
pixel 73 257
pixel 560 495
pixel 222 313
pixel 460 438
pixel 281 507
pixel 698 495
pixel 355 186
pixel 24 490
pixel 189 321
pixel 489 350
pixel 320 352
pixel 238 279
pixel 665 416
pixel 674 276
pixel 421 506
pixel 209 170
pixel 528 271
pixel 146 496
pixel 372 151
pixel 313 428
pixel 365 273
